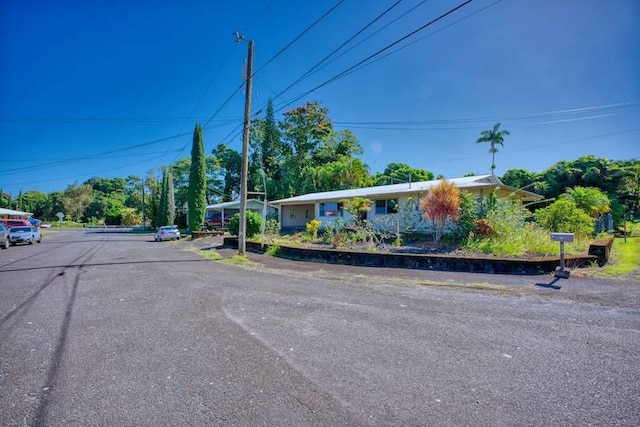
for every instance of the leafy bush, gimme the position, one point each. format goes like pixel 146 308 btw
pixel 272 250
pixel 564 216
pixel 272 227
pixel 336 234
pixel 483 228
pixel 506 232
pixel 254 223
pixel 313 227
pixel 467 216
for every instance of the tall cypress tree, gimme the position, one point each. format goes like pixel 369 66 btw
pixel 162 218
pixel 171 199
pixel 197 196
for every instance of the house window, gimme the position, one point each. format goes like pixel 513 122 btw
pixel 292 213
pixel 331 209
pixel 384 207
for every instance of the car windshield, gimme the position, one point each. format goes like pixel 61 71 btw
pixel 21 229
pixel 169 228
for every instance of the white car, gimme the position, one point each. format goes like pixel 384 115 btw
pixel 24 234
pixel 167 232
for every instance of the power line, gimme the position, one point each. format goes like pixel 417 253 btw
pixel 312 69
pixel 374 33
pixel 306 30
pixel 457 21
pixel 539 115
pixel 373 55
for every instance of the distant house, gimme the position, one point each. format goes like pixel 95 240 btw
pixel 296 212
pixel 11 214
pixel 219 214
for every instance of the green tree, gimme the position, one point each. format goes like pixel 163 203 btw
pixel 167 208
pixel 395 173
pixel 590 199
pixel 520 178
pixel 35 202
pixel 304 129
pixel 228 163
pixel 440 205
pixel 268 154
pixel 130 217
pixel 197 201
pixel 75 199
pixel 494 137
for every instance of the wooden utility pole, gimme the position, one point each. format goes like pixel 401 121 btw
pixel 244 170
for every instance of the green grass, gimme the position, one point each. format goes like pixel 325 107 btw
pixel 239 260
pixel 209 254
pixel 624 258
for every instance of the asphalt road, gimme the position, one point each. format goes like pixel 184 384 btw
pixel 115 329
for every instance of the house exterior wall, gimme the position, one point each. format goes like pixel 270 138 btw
pixel 297 216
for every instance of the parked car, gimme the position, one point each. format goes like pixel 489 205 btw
pixel 24 234
pixel 4 236
pixel 167 232
pixel 15 222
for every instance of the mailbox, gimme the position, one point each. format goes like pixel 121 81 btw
pixel 562 237
pixel 561 272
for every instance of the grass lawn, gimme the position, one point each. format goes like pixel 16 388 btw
pixel 625 258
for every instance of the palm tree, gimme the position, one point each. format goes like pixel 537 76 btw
pixel 494 137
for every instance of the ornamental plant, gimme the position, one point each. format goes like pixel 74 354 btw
pixel 313 227
pixel 441 204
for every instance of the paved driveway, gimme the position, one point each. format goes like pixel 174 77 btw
pixel 115 329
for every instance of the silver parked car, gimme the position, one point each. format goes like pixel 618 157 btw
pixel 167 232
pixel 4 236
pixel 24 234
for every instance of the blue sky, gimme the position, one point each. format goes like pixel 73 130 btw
pixel 115 88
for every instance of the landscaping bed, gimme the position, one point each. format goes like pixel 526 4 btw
pixel 425 258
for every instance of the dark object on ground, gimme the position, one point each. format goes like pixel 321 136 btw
pixel 601 249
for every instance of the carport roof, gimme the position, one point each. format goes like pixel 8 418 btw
pixel 10 212
pixel 236 205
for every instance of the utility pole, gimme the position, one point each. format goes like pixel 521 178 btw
pixel 244 170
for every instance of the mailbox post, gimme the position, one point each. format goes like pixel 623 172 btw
pixel 562 272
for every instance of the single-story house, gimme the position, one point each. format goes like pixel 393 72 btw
pixel 219 214
pixel 296 212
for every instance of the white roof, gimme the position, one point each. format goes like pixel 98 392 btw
pixel 466 182
pixel 8 212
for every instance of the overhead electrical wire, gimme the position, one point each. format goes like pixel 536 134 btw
pixel 370 35
pixel 299 36
pixel 373 55
pixel 360 31
pixel 426 36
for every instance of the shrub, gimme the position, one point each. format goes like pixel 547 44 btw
pixel 254 222
pixel 506 232
pixel 313 227
pixel 467 216
pixel 565 217
pixel 483 228
pixel 272 250
pixel 335 234
pixel 272 227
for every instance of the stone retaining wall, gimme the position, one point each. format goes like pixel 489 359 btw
pixel 487 264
